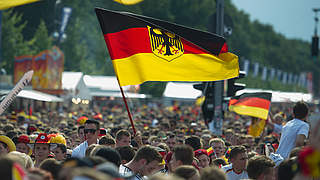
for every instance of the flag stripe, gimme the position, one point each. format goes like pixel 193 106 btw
pixel 263 95
pixel 111 22
pixel 252 101
pixel 120 43
pixel 209 68
pixel 250 111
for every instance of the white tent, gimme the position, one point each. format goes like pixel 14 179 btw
pixel 35 95
pixel 278 96
pixel 181 91
pixel 74 84
pixel 105 86
pixel 186 91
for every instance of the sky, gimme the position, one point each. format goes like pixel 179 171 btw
pixel 292 18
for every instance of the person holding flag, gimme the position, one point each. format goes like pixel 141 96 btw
pixel 296 131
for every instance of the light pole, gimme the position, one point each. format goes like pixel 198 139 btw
pixel 315 38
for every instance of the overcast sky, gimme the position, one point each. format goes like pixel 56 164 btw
pixel 292 18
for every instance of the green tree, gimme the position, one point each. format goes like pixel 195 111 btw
pixel 41 39
pixel 13 43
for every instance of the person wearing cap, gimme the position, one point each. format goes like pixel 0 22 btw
pixel 41 148
pixel 146 162
pixel 22 144
pixel 6 145
pixel 60 152
pixel 91 131
pixel 203 157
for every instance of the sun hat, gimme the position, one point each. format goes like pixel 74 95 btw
pixel 8 142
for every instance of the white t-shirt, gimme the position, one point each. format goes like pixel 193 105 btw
pixel 231 175
pixel 289 134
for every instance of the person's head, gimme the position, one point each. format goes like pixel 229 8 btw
pixel 182 155
pixel 206 138
pixel 203 157
pixel 260 167
pixel 90 149
pixel 39 174
pixel 148 159
pixel 107 141
pixel 91 131
pixel 81 133
pixel 194 142
pixel 60 152
pixel 212 173
pixel 126 152
pixel 41 151
pixel 6 145
pixel 229 135
pixel 23 159
pixel 288 169
pixel 239 158
pixel 123 138
pixel 108 153
pixel 41 147
pixel 187 172
pixel 218 146
pixel 300 110
pixel 22 144
pixel 51 165
pixel 278 118
pixel 8 166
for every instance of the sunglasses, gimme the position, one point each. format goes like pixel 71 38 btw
pixel 92 131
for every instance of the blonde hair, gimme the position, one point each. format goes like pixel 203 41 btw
pixel 217 140
pixel 21 158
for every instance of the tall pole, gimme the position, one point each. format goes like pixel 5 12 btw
pixel 215 125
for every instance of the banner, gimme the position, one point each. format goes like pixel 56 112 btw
pixel 246 66
pixel 256 69
pixel 264 73
pixel 47 66
pixel 22 64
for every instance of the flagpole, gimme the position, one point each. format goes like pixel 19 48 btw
pixel 128 110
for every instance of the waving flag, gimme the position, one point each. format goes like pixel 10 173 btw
pixel 251 104
pixel 5 4
pixel 146 49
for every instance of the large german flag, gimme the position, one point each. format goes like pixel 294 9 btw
pixel 146 49
pixel 251 104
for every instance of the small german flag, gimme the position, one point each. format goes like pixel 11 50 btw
pixel 146 49
pixel 251 104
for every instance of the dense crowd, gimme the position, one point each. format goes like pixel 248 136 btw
pixel 167 142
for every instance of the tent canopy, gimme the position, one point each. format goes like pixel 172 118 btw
pixel 35 95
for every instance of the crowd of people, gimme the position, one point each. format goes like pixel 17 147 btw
pixel 166 143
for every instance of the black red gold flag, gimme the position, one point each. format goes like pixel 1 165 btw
pixel 251 104
pixel 146 49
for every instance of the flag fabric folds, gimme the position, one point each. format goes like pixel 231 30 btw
pixel 251 104
pixel 5 4
pixel 146 49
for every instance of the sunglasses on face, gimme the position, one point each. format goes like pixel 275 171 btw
pixel 92 131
